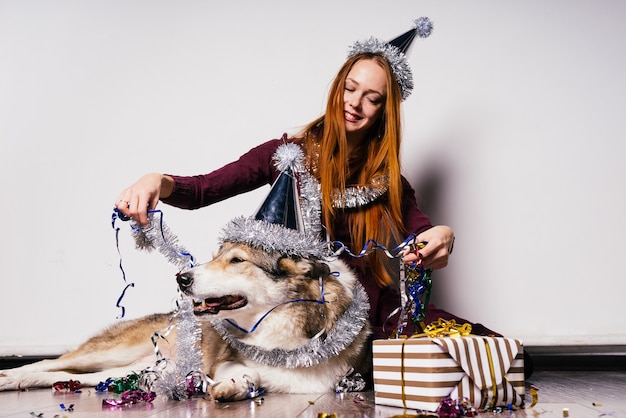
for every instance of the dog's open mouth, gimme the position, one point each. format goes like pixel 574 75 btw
pixel 214 305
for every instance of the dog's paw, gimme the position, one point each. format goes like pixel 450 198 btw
pixel 231 390
pixel 9 380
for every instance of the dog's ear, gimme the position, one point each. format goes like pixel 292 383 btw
pixel 304 267
pixel 319 269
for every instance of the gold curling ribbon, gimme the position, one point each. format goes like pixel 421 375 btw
pixel 404 339
pixel 535 395
pixel 444 328
pixel 493 375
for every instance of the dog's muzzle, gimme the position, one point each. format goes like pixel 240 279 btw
pixel 209 305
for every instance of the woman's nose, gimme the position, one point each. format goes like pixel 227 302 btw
pixel 354 102
pixel 353 99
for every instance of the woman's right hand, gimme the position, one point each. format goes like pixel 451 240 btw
pixel 144 195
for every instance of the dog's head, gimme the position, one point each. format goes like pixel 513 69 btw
pixel 244 283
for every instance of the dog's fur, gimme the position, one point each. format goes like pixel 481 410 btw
pixel 241 283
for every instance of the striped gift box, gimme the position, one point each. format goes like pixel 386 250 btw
pixel 418 373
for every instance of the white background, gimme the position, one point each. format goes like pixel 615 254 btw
pixel 514 136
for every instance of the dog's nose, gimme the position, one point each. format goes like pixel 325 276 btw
pixel 184 279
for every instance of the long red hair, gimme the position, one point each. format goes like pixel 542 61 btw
pixel 378 155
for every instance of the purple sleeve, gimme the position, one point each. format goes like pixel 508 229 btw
pixel 415 220
pixel 251 171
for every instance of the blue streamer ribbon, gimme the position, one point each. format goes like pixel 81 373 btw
pixel 415 282
pixel 117 214
pixel 371 246
pixel 320 301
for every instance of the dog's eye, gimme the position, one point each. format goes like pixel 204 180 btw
pixel 236 260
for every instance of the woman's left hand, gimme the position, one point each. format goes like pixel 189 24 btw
pixel 434 255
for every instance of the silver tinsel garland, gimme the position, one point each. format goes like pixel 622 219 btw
pixel 157 235
pixel 318 350
pixel 311 205
pixel 272 237
pixel 356 196
pixel 173 382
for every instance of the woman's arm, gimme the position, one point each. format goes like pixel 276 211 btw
pixel 252 170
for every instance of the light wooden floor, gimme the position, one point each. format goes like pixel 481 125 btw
pixel 586 394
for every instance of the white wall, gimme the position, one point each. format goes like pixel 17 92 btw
pixel 513 135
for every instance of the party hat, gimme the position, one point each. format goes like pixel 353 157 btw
pixel 394 52
pixel 278 225
pixel 281 206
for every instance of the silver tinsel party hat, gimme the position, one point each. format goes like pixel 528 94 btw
pixel 278 223
pixel 395 50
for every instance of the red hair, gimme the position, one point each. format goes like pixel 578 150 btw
pixel 378 155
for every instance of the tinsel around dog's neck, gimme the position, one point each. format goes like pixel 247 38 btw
pixel 318 350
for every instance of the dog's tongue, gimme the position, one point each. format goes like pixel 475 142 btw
pixel 214 305
pixel 210 305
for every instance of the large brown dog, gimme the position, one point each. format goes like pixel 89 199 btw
pixel 287 324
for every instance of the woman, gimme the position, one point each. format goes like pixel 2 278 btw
pixel 353 152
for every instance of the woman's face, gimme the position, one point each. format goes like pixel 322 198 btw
pixel 364 97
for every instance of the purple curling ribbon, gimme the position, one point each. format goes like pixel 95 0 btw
pixel 130 397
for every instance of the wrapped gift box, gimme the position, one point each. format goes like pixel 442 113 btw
pixel 418 373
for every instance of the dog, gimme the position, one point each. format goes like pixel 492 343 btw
pixel 284 323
